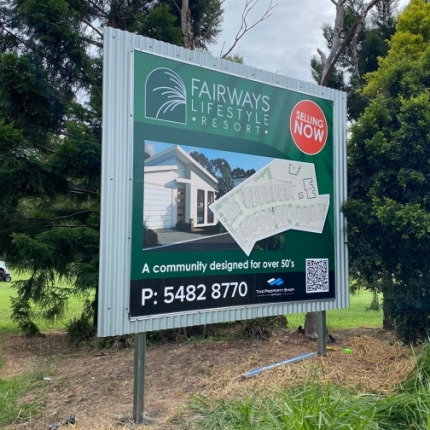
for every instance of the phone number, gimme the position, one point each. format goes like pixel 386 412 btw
pixel 191 293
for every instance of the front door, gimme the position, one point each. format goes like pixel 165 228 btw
pixel 181 204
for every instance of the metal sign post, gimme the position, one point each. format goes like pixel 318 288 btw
pixel 322 333
pixel 139 377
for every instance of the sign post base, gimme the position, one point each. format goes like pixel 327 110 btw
pixel 139 377
pixel 322 333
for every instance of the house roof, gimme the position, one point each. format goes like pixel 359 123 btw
pixel 160 168
pixel 183 156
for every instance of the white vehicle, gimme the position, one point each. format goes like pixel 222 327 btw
pixel 4 273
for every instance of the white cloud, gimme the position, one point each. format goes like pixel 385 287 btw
pixel 149 148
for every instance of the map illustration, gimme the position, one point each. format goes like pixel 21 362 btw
pixel 281 196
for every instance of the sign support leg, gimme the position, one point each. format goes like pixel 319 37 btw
pixel 139 376
pixel 322 333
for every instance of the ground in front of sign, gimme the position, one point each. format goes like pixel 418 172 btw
pixel 97 385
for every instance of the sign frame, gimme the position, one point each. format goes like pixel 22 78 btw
pixel 117 189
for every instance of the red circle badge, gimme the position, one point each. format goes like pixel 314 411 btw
pixel 308 127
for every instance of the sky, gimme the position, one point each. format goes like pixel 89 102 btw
pixel 284 42
pixel 244 161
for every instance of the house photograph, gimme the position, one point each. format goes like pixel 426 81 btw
pixel 180 183
pixel 177 189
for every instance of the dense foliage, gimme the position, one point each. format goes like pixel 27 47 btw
pixel 388 208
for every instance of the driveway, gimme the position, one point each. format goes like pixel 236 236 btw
pixel 174 236
pixel 184 242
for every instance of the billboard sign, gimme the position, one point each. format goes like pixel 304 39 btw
pixel 233 188
pixel 221 191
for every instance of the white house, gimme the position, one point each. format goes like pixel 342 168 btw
pixel 177 188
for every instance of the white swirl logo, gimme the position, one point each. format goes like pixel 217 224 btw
pixel 165 96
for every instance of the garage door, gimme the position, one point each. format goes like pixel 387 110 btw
pixel 158 206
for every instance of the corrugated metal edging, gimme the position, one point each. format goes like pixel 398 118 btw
pixel 342 250
pixel 116 199
pixel 225 315
pixel 340 196
pixel 116 187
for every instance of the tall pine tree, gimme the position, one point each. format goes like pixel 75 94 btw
pixel 50 138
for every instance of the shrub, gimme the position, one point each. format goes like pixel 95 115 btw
pixel 150 238
pixel 272 243
pixel 80 329
pixel 116 342
pixel 183 226
pixel 262 328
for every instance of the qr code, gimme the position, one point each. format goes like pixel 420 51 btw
pixel 317 275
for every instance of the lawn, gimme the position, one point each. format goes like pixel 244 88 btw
pixel 12 389
pixel 74 309
pixel 355 316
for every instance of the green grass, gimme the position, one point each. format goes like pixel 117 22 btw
pixel 12 410
pixel 354 317
pixel 74 310
pixel 314 406
pixel 11 390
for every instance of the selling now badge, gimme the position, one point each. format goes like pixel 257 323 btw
pixel 308 126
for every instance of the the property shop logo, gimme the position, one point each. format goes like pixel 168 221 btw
pixel 206 103
pixel 275 282
pixel 274 288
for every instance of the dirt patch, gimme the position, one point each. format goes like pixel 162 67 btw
pixel 97 385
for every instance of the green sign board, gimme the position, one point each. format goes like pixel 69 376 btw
pixel 233 189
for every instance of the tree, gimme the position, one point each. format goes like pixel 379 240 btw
pixel 360 57
pixel 340 39
pixel 50 169
pixel 50 140
pixel 388 209
pixel 201 20
pixel 222 171
pixel 218 167
pixel 342 42
pixel 160 23
pixel 238 172
pixel 203 161
pixel 246 26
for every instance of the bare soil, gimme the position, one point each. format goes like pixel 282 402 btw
pixel 97 385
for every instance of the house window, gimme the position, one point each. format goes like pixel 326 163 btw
pixel 211 199
pixel 200 206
